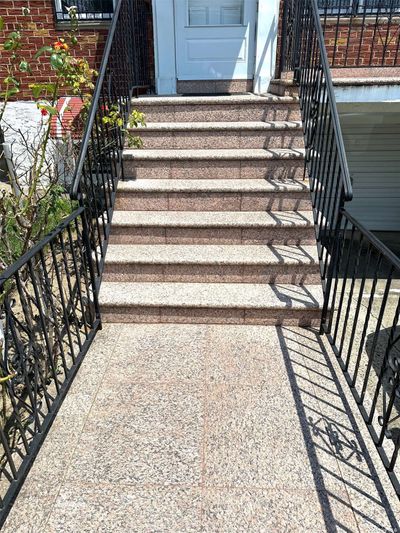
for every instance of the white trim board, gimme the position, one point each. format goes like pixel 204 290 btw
pixel 164 45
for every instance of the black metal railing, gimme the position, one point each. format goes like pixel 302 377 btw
pixel 48 317
pixel 87 10
pixel 361 276
pixel 364 330
pixel 363 33
pixel 304 53
pixel 49 311
pixel 99 166
pixel 358 7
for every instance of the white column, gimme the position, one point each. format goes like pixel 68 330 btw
pixel 164 46
pixel 266 44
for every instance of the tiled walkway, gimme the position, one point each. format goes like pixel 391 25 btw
pixel 187 428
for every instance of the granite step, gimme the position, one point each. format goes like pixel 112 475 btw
pixel 213 195
pixel 278 163
pixel 230 108
pixel 215 135
pixel 202 227
pixel 282 87
pixel 234 303
pixel 213 264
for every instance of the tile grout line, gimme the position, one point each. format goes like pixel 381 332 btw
pixel 205 427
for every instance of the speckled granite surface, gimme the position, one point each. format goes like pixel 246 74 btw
pixel 200 428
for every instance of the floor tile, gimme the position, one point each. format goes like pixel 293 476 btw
pixel 274 511
pixel 87 508
pixel 237 355
pixel 138 458
pixel 159 352
pixel 141 409
pixel 253 439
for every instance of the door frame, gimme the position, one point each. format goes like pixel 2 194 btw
pixel 164 45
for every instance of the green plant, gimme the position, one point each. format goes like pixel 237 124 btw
pixel 34 201
pixel 136 119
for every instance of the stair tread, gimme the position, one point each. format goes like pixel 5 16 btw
pixel 211 254
pixel 211 295
pixel 286 83
pixel 222 126
pixel 221 100
pixel 218 154
pixel 227 219
pixel 213 185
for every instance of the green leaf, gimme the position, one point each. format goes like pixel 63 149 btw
pixel 24 66
pixel 2 23
pixel 8 44
pixel 11 80
pixel 10 92
pixel 42 51
pixel 40 88
pixel 56 61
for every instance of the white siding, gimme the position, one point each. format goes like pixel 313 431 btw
pixel 372 143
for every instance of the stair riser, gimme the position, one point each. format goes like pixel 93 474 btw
pixel 195 315
pixel 220 113
pixel 212 235
pixel 283 90
pixel 212 169
pixel 207 140
pixel 195 273
pixel 213 201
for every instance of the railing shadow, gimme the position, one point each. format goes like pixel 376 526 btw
pixel 349 486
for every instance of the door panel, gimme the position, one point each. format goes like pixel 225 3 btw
pixel 215 39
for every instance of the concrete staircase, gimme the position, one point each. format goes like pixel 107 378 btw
pixel 214 224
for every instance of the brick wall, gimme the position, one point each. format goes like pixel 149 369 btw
pixel 41 30
pixel 362 44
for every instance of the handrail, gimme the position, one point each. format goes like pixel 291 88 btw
pixel 348 187
pixel 99 165
pixel 304 54
pixel 49 305
pixel 363 329
pixel 377 243
pixel 360 274
pixel 95 103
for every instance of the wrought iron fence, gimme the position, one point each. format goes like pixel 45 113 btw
pixel 99 166
pixel 363 33
pixel 48 317
pixel 358 7
pixel 361 277
pixel 364 330
pixel 304 53
pixel 49 311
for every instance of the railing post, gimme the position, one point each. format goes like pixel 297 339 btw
pixel 95 283
pixel 331 274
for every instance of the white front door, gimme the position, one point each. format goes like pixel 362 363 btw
pixel 215 39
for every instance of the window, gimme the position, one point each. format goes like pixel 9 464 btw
pixel 215 12
pixel 88 10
